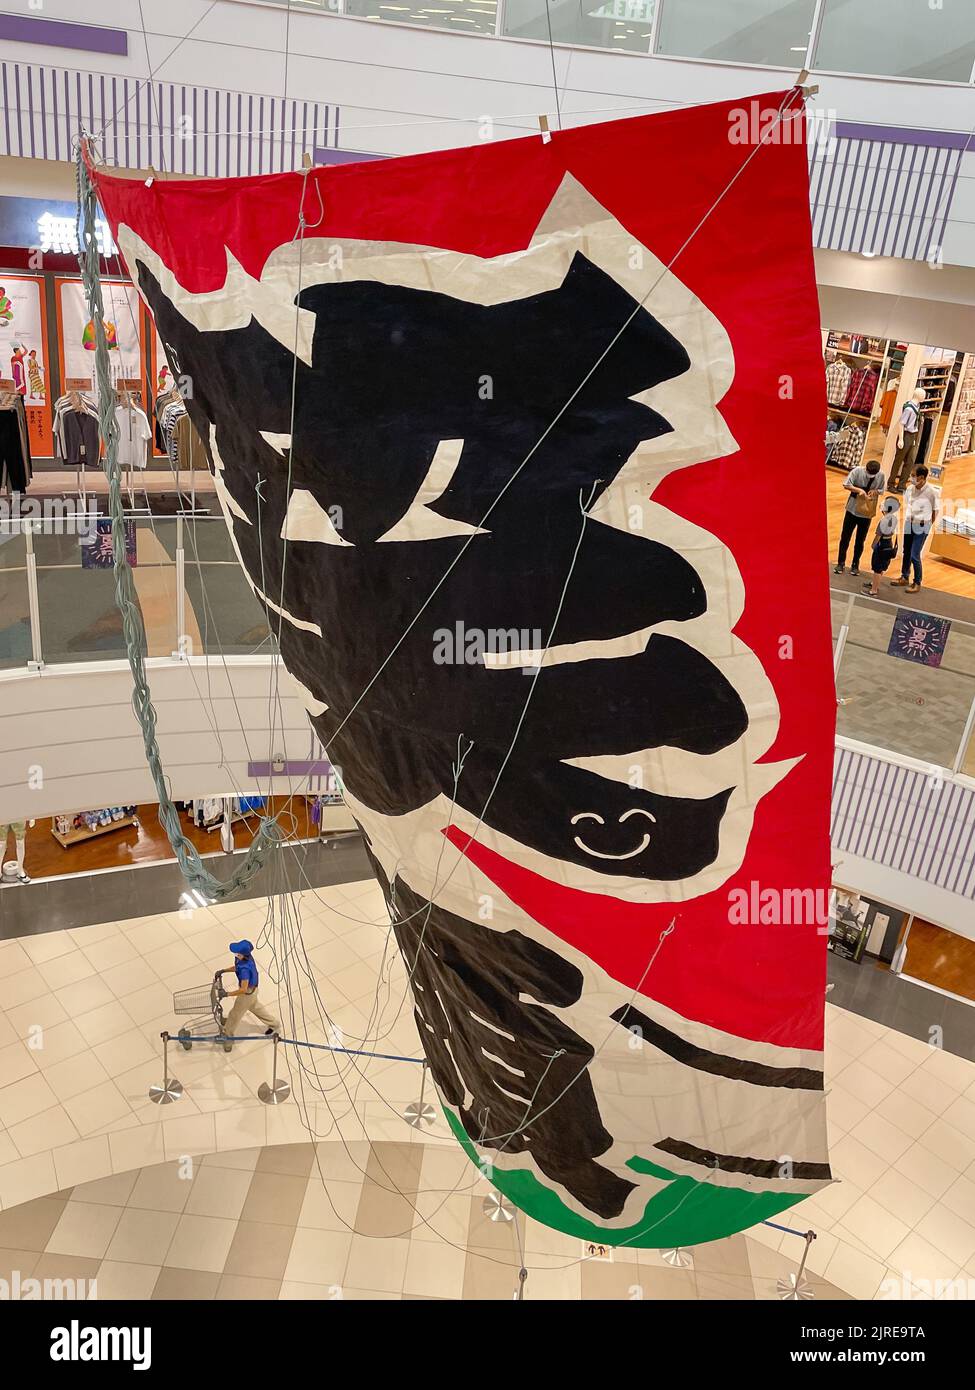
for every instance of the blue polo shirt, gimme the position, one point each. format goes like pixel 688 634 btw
pixel 246 972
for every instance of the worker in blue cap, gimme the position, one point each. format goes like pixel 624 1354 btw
pixel 245 996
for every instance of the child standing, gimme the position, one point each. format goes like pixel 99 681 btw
pixel 884 545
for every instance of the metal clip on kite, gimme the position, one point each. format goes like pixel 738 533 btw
pixel 803 85
pixel 543 127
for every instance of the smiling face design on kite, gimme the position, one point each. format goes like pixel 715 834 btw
pixel 469 471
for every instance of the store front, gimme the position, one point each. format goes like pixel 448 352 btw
pixel 100 839
pixel 47 354
pixel 869 382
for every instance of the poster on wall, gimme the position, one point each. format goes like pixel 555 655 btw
pixel 23 355
pixel 77 333
pixel 918 637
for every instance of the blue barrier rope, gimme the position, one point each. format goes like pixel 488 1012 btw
pixel 788 1229
pixel 295 1042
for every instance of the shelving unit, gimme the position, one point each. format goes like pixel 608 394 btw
pixel 83 834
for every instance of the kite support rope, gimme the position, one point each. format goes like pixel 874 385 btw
pixel 269 835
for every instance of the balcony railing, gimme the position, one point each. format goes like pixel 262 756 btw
pixel 904 684
pixel 905 681
pixel 57 591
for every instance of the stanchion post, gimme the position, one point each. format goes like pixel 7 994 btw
pixel 171 1090
pixel 278 1091
pixel 419 1112
pixel 795 1288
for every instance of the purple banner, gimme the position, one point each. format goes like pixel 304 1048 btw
pixel 57 33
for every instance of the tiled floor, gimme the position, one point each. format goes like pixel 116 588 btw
pixel 384 1220
pixel 80 1017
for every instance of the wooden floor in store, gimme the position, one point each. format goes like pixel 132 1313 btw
pixel 938 574
pixel 940 957
pixel 146 843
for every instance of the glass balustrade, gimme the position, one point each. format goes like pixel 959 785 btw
pixel 905 679
pixel 15 626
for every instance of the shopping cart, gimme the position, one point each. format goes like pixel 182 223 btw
pixel 203 1002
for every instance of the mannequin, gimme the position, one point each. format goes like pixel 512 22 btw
pixel 19 829
pixel 908 437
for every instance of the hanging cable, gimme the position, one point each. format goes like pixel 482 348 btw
pixel 268 835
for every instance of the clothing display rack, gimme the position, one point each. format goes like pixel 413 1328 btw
pixel 15 461
pixel 76 441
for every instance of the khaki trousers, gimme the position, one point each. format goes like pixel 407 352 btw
pixel 249 1004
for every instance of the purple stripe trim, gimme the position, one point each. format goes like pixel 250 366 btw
pixel 896 812
pixel 881 249
pixel 67 118
pixel 20 119
pixel 43 117
pixel 854 185
pixel 250 134
pixel 922 173
pixel 6 109
pixel 949 183
pixel 927 199
pixel 928 812
pixel 115 122
pixel 30 108
pixel 868 209
pixel 957 796
pixel 206 137
pixel 882 201
pixel 870 811
pixel 904 135
pixel 240 116
pixel 963 857
pixel 829 190
pixel 58 33
pixel 914 801
pixel 855 804
pixel 57 121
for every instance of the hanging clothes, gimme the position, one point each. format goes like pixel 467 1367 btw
pixel 76 430
pixel 887 403
pixel 133 436
pixel 15 461
pixel 862 390
pixel 837 382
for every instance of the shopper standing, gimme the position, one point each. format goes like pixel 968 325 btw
pixel 884 550
pixel 865 484
pixel 908 437
pixel 920 514
pixel 245 996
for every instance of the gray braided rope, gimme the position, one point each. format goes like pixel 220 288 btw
pixel 269 835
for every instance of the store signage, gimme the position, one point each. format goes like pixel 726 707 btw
pixel 60 235
pixel 41 223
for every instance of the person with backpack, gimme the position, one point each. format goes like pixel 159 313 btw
pixel 865 484
pixel 884 549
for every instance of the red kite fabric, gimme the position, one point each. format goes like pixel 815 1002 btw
pixel 537 432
